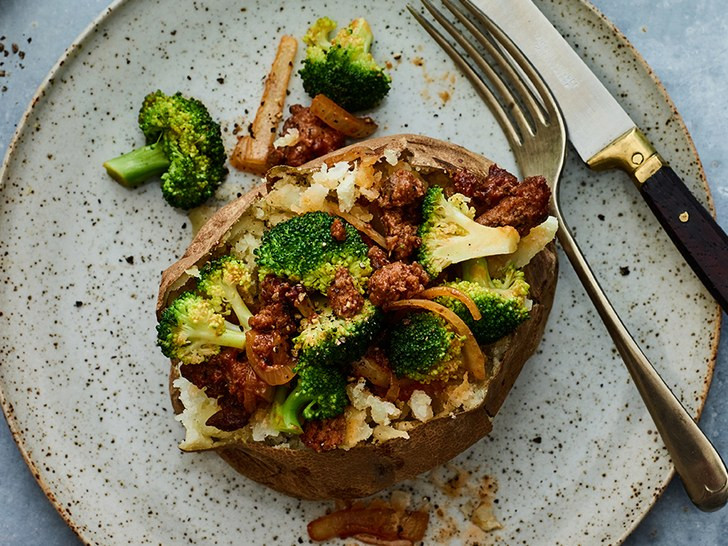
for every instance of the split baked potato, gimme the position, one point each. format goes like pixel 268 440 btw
pixel 393 427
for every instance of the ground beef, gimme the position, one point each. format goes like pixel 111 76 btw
pixel 527 206
pixel 343 295
pixel 274 316
pixel 400 228
pixel 338 231
pixel 324 435
pixel 315 138
pixel 276 290
pixel 487 191
pixel 229 378
pixel 402 188
pixel 229 418
pixel 396 281
pixel 209 374
pixel 377 257
pixel 273 348
pixel 275 321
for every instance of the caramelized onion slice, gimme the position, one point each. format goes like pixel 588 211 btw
pixel 359 224
pixel 337 118
pixel 473 357
pixel 379 522
pixel 273 375
pixel 449 292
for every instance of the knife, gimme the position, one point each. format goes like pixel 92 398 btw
pixel 605 137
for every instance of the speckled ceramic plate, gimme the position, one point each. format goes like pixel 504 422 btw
pixel 573 452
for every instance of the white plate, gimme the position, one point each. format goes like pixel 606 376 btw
pixel 573 452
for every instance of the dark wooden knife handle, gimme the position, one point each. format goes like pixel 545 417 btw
pixel 698 237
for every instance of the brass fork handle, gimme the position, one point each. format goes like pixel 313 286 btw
pixel 696 461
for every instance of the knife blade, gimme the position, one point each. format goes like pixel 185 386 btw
pixel 605 136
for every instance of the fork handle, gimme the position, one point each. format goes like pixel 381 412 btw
pixel 698 237
pixel 699 465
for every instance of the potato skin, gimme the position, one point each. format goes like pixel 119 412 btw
pixel 366 469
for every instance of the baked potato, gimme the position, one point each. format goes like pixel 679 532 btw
pixel 382 437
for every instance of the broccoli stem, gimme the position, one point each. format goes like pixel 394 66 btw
pixel 476 270
pixel 231 337
pixel 239 308
pixel 287 415
pixel 360 29
pixel 133 168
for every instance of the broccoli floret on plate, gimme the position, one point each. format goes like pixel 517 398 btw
pixel 184 147
pixel 343 68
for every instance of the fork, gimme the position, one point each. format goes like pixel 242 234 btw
pixel 535 130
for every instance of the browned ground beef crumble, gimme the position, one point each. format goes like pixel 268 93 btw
pixel 338 231
pixel 343 295
pixel 399 200
pixel 400 229
pixel 275 322
pixel 377 257
pixel 396 281
pixel 315 139
pixel 324 435
pixel 526 207
pixel 484 191
pixel 228 377
pixel 500 200
pixel 400 189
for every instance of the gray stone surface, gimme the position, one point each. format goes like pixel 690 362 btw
pixel 683 40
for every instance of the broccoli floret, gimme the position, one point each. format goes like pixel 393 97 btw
pixel 325 347
pixel 320 393
pixel 327 340
pixel 450 234
pixel 184 146
pixel 503 303
pixel 220 280
pixel 422 347
pixel 191 330
pixel 343 69
pixel 303 250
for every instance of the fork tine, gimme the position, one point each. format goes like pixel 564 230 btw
pixel 500 37
pixel 500 87
pixel 532 105
pixel 483 90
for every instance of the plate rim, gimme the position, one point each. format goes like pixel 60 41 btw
pixel 78 43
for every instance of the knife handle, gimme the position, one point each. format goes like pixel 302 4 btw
pixel 696 234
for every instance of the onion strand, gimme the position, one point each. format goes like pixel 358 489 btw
pixel 359 224
pixel 384 523
pixel 340 119
pixel 450 292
